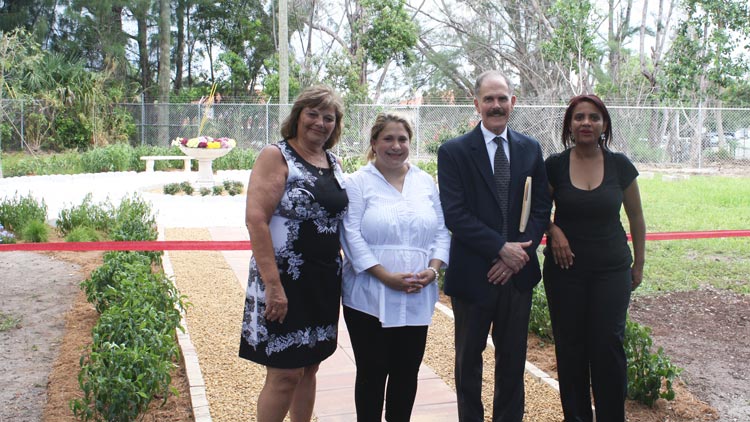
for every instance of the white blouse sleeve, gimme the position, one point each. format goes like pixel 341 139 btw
pixel 440 246
pixel 354 245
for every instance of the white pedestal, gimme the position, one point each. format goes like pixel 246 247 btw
pixel 205 157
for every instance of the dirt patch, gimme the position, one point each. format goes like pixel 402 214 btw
pixel 41 354
pixel 36 291
pixel 706 332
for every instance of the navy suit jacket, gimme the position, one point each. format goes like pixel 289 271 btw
pixel 472 211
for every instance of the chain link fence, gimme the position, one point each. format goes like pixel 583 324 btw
pixel 683 137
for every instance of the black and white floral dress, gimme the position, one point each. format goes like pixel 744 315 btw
pixel 305 234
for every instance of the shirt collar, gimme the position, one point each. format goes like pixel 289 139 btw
pixel 490 137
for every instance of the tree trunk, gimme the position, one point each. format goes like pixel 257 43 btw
pixel 164 67
pixel 141 19
pixel 180 47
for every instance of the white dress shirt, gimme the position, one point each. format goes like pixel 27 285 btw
pixel 489 140
pixel 402 231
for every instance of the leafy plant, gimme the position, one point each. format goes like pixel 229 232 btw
pixel 87 214
pixel 352 163
pixel 233 187
pixel 104 281
pixel 429 167
pixel 118 382
pixel 172 188
pixel 35 231
pixel 539 320
pixel 83 234
pixel 204 191
pixel 17 211
pixel 117 157
pixel 237 159
pixel 187 188
pixel 218 190
pixel 134 221
pixel 647 371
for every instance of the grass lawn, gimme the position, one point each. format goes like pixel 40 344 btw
pixel 696 204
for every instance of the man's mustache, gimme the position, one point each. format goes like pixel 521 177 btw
pixel 496 112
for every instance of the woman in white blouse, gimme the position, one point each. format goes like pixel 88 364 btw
pixel 395 241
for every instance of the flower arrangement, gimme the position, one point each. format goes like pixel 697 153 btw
pixel 205 142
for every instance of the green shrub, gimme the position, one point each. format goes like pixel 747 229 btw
pixel 237 159
pixel 72 132
pixel 117 157
pixel 539 320
pixel 17 211
pixel 103 283
pixel 172 188
pixel 429 167
pixel 233 187
pixel 83 234
pixel 134 221
pixel 119 382
pixel 647 370
pixel 35 231
pixel 445 134
pixel 218 189
pixel 204 191
pixel 353 163
pixel 187 188
pixel 95 216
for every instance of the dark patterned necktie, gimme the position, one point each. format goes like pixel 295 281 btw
pixel 502 180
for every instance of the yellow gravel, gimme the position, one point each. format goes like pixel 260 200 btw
pixel 232 384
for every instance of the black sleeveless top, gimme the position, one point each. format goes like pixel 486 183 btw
pixel 591 219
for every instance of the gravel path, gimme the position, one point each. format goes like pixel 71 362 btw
pixel 233 384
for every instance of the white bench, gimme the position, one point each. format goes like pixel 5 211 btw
pixel 150 159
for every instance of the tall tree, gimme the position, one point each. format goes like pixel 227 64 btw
pixel 371 32
pixel 37 17
pixel 164 69
pixel 181 12
pixel 93 29
pixel 702 61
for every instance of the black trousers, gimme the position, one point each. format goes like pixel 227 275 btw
pixel 588 312
pixel 391 355
pixel 507 311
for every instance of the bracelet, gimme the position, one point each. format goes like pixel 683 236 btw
pixel 437 274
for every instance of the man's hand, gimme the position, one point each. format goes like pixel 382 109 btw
pixel 499 273
pixel 513 255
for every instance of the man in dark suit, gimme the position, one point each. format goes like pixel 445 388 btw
pixel 493 265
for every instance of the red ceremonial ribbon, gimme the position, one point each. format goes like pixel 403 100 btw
pixel 245 245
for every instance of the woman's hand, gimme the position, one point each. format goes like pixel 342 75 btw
pixel 276 303
pixel 425 277
pixel 561 252
pixel 636 275
pixel 403 282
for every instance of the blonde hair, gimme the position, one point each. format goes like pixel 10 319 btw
pixel 381 121
pixel 314 97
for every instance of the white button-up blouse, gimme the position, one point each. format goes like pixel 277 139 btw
pixel 402 231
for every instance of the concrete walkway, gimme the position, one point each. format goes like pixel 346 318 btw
pixel 435 402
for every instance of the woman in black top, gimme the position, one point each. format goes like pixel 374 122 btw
pixel 588 268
